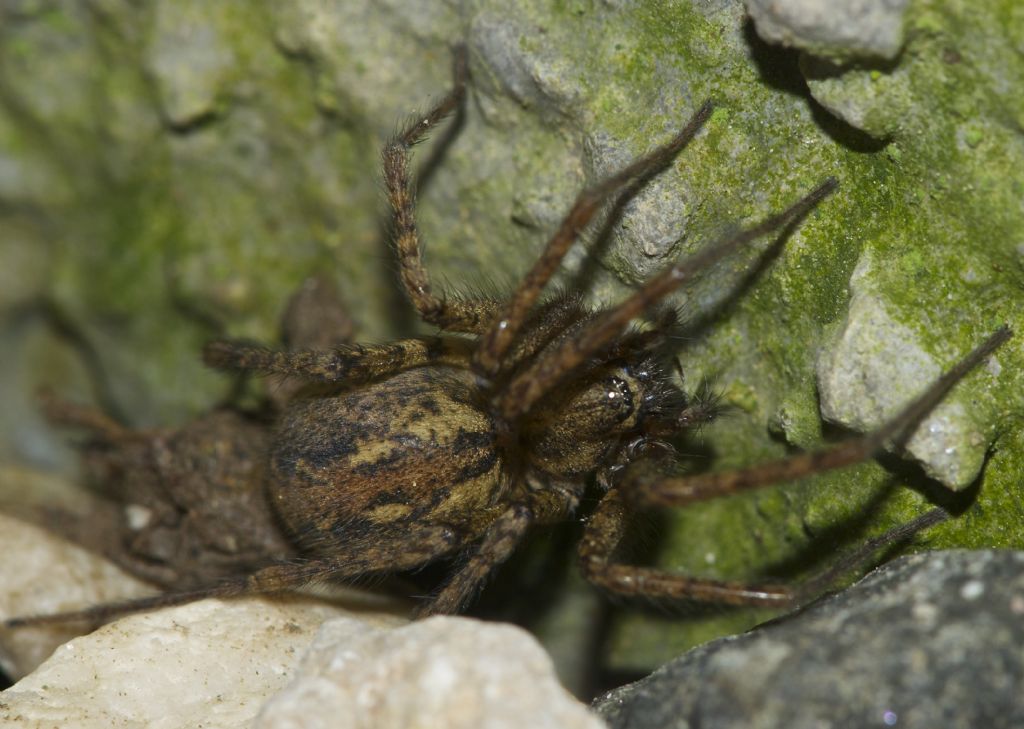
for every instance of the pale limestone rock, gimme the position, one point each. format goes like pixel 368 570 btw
pixel 42 573
pixel 211 663
pixel 876 365
pixel 441 672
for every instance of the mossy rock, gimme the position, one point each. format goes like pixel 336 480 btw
pixel 172 170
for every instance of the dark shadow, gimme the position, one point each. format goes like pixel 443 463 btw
pixel 913 476
pixel 786 70
pixel 210 322
pixel 442 143
pixel 606 225
pixel 824 547
pixel 63 326
pixel 777 67
pixel 527 586
pixel 598 247
pixel 698 325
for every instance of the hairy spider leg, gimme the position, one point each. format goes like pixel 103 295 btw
pixel 359 559
pixel 550 367
pixel 607 525
pixel 505 533
pixel 504 329
pixel 497 545
pixel 456 315
pixel 685 490
pixel 73 415
pixel 349 363
pixel 605 530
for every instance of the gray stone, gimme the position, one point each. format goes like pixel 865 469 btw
pixel 928 640
pixel 875 365
pixel 190 62
pixel 844 29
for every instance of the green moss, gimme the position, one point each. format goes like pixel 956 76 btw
pixel 889 203
pixel 279 179
pixel 973 136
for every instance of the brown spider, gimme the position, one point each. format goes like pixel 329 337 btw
pixel 400 454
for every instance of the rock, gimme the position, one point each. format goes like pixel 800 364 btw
pixel 875 365
pixel 215 663
pixel 448 673
pixel 851 29
pixel 190 62
pixel 928 640
pixel 183 185
pixel 211 663
pixel 42 573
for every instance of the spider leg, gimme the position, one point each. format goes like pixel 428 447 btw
pixel 274 578
pixel 605 530
pixel 65 413
pixel 547 370
pixel 607 525
pixel 679 491
pixel 498 543
pixel 456 315
pixel 345 363
pixel 549 503
pixel 361 558
pixel 504 328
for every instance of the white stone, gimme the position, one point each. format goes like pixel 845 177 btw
pixel 215 663
pixel 41 573
pixel 211 663
pixel 443 672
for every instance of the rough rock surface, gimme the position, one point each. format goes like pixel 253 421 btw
pixel 856 28
pixel 439 673
pixel 217 663
pixel 869 366
pixel 926 641
pixel 212 664
pixel 42 573
pixel 171 170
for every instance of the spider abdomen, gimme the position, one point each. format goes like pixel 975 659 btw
pixel 411 449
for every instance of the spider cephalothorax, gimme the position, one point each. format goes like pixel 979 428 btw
pixel 395 455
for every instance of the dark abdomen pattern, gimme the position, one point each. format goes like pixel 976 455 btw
pixel 375 461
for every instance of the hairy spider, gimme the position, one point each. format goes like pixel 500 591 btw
pixel 404 453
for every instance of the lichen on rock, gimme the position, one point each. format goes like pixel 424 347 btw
pixel 185 188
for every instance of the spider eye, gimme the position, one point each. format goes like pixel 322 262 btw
pixel 620 397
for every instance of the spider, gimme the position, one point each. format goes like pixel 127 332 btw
pixel 398 455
